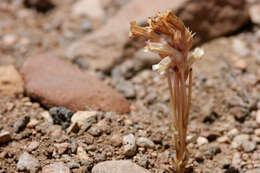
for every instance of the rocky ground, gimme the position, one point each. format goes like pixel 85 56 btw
pixel 76 92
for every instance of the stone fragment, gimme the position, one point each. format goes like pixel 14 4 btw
pixel 257 132
pixel 240 48
pixel 55 132
pixel 258 116
pixel 62 147
pixel 239 140
pixel 119 166
pixel 57 167
pixel 129 145
pixel 116 140
pixel 5 136
pixel 254 12
pixel 81 153
pixel 202 140
pixel 61 116
pixel 27 162
pixel 83 119
pixel 249 146
pixel 32 146
pixel 47 116
pixel 21 123
pixel 91 9
pixel 33 123
pixel 223 139
pixel 236 160
pixel 255 170
pixel 69 86
pixel 145 142
pixel 11 82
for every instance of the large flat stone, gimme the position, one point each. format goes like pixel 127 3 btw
pixel 103 48
pixel 119 166
pixel 54 82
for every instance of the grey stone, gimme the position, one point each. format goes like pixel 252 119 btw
pixel 129 145
pixel 27 162
pixel 145 142
pixel 21 124
pixel 58 167
pixel 119 166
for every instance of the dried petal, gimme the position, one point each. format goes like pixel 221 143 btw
pixel 195 56
pixel 162 65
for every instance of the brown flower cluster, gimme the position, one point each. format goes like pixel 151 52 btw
pixel 167 36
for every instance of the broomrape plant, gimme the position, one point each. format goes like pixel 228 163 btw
pixel 168 37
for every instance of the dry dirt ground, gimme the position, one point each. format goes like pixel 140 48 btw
pixel 225 103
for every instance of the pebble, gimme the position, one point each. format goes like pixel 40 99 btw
pixel 118 166
pixel 255 170
pixel 82 155
pixel 57 167
pixel 73 165
pixel 62 147
pixel 257 132
pixel 254 13
pixel 241 64
pixel 32 146
pixel 116 140
pixel 27 162
pixel 55 132
pixel 21 124
pixel 89 9
pixel 239 140
pixel 249 146
pixel 99 157
pixel 83 119
pixel 47 116
pixel 240 47
pixel 5 136
pixel 9 39
pixel 236 160
pixel 33 123
pixel 232 133
pixel 129 145
pixel 239 113
pixel 223 139
pixel 61 116
pixel 95 131
pixel 202 140
pixel 145 142
pixel 85 25
pixel 126 88
pixel 258 116
pixel 11 82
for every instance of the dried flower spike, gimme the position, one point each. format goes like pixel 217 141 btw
pixel 168 37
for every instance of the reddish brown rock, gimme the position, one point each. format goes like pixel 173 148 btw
pixel 54 82
pixel 218 17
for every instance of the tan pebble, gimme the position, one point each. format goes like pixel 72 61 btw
pixel 223 139
pixel 33 123
pixel 258 116
pixel 241 64
pixel 257 132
